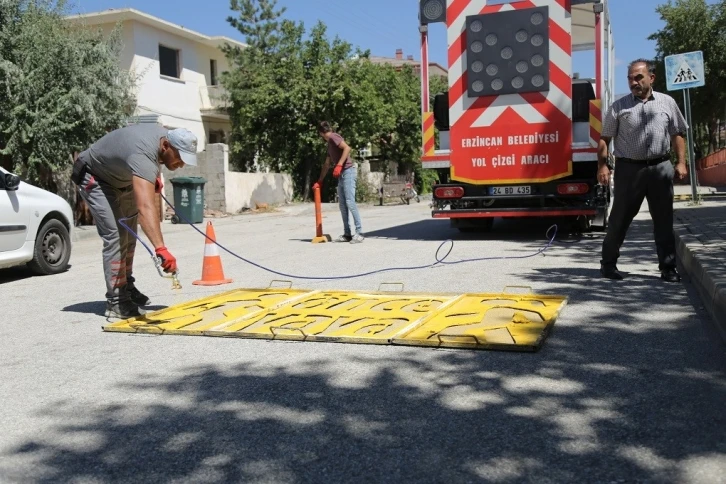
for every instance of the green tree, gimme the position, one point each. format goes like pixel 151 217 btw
pixel 60 88
pixel 400 137
pixel 692 25
pixel 283 83
pixel 287 80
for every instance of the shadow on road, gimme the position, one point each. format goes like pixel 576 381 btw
pixel 562 415
pixel 630 389
pixel 516 229
pixel 14 274
pixel 19 273
pixel 99 308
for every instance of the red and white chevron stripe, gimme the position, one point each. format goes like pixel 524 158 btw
pixel 560 58
pixel 483 116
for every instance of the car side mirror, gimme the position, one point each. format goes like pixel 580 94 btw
pixel 12 182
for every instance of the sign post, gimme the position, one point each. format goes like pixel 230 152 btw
pixel 683 72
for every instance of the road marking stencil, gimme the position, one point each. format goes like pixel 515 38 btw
pixel 498 321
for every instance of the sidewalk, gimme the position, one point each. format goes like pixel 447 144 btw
pixel 701 247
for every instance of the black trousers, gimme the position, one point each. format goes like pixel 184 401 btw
pixel 633 183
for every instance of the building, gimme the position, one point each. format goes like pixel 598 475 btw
pixel 176 69
pixel 399 61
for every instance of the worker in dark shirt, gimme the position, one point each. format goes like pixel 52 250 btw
pixel 346 170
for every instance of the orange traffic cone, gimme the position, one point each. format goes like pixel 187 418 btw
pixel 212 273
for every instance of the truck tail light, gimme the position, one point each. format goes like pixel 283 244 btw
pixel 573 188
pixel 449 192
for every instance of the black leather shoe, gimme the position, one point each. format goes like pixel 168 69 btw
pixel 611 273
pixel 670 275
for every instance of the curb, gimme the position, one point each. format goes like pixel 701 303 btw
pixel 706 272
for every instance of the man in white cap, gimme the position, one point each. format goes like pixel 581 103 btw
pixel 118 177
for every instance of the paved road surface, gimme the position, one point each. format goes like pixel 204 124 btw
pixel 630 387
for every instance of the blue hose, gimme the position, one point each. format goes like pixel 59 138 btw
pixel 439 260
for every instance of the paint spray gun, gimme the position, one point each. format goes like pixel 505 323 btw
pixel 174 276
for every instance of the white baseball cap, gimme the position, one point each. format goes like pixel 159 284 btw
pixel 186 143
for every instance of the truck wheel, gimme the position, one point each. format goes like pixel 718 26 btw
pixel 52 249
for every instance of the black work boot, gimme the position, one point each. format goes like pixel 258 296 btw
pixel 670 275
pixel 123 310
pixel 611 272
pixel 138 297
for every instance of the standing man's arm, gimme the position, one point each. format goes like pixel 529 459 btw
pixel 609 131
pixel 603 170
pixel 676 128
pixel 678 144
pixel 344 156
pixel 324 170
pixel 144 194
pixel 346 152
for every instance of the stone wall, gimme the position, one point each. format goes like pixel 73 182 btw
pixel 212 164
pixel 248 190
pixel 229 191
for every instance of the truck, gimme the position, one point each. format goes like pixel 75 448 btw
pixel 518 128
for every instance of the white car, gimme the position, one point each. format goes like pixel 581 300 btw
pixel 35 227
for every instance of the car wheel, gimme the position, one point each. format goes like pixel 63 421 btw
pixel 52 249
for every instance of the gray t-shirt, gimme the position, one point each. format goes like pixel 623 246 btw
pixel 124 153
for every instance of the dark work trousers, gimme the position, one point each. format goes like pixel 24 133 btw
pixel 633 183
pixel 108 205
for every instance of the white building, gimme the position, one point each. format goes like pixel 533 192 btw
pixel 176 69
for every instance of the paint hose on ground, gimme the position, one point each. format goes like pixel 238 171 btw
pixel 438 260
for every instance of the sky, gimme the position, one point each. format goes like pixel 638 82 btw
pixel 382 26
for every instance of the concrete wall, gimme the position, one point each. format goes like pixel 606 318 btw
pixel 212 164
pixel 228 191
pixel 246 190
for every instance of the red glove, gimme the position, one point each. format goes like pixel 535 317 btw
pixel 168 261
pixel 316 186
pixel 338 169
pixel 159 185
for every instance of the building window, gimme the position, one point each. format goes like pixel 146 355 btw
pixel 212 72
pixel 169 62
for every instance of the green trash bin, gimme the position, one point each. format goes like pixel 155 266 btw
pixel 188 199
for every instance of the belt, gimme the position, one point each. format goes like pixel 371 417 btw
pixel 652 161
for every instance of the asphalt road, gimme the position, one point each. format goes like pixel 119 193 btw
pixel 630 386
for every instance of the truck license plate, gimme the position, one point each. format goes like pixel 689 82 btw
pixel 516 190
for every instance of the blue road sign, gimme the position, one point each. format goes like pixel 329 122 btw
pixel 685 71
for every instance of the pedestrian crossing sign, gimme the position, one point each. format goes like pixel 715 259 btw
pixel 684 71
